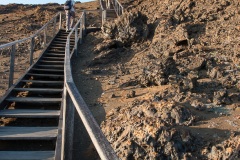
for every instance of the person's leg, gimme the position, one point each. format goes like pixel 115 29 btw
pixel 67 20
pixel 72 19
pixel 108 4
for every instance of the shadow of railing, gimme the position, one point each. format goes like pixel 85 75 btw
pixel 73 100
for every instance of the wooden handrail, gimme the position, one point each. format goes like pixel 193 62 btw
pixel 100 142
pixel 31 38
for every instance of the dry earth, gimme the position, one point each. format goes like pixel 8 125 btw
pixel 163 80
pixel 19 21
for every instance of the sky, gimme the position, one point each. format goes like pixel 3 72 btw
pixel 37 1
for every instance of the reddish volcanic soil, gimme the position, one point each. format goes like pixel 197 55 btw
pixel 162 80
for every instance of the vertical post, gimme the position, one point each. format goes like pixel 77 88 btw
pixel 60 20
pixel 31 50
pixel 12 61
pixel 108 4
pixel 79 27
pixel 54 26
pixel 76 41
pixel 104 15
pixel 69 127
pixel 118 9
pixel 102 18
pixel 84 22
pixel 45 38
pixel 81 33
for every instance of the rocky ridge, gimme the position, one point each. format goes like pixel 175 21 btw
pixel 191 46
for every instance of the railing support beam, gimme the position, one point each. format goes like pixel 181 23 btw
pixel 84 23
pixel 45 37
pixel 31 50
pixel 60 21
pixel 76 41
pixel 12 61
pixel 68 127
pixel 54 26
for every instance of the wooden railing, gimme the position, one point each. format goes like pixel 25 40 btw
pixel 118 7
pixel 73 99
pixel 50 27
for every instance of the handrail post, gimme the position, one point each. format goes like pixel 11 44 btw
pixel 60 20
pixel 68 126
pixel 81 33
pixel 54 26
pixel 84 22
pixel 104 16
pixel 76 41
pixel 108 4
pixel 31 50
pixel 45 38
pixel 12 61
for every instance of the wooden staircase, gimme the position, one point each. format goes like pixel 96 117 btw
pixel 111 14
pixel 30 111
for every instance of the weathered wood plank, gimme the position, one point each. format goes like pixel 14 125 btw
pixel 34 99
pixel 31 51
pixel 42 90
pixel 58 47
pixel 27 155
pixel 54 54
pixel 12 61
pixel 29 113
pixel 45 75
pixel 51 66
pixel 44 82
pixel 28 133
pixel 52 58
pixel 59 42
pixel 46 61
pixel 56 50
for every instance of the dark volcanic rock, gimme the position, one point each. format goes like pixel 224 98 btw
pixel 144 131
pixel 221 97
pixel 131 27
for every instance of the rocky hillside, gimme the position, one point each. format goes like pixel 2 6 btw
pixel 191 49
pixel 19 21
pixel 166 73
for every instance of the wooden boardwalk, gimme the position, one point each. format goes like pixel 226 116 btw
pixel 30 110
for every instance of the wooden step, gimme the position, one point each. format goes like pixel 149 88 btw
pixel 63 39
pixel 46 75
pixel 65 36
pixel 28 133
pixel 61 42
pixel 41 90
pixel 61 51
pixel 57 47
pixel 43 82
pixel 34 100
pixel 50 66
pixel 60 46
pixel 53 58
pixel 53 62
pixel 55 54
pixel 47 70
pixel 27 155
pixel 29 113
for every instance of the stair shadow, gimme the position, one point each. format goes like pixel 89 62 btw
pixel 90 89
